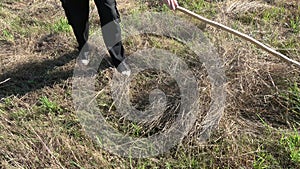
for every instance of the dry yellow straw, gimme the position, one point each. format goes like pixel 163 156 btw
pixel 242 35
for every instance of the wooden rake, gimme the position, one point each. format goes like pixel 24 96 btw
pixel 241 35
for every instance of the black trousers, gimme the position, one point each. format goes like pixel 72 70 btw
pixel 77 12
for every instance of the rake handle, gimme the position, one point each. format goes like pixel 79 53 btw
pixel 239 34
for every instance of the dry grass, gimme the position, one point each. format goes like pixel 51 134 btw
pixel 39 127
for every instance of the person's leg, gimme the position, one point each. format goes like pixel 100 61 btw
pixel 110 18
pixel 77 12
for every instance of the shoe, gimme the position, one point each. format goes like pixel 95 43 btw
pixel 124 69
pixel 84 58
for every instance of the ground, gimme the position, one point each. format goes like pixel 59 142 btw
pixel 39 127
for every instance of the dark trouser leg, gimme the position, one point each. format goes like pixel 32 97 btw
pixel 77 12
pixel 110 18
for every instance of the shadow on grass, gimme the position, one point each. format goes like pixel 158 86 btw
pixel 36 75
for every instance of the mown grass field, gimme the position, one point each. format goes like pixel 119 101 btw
pixel 260 125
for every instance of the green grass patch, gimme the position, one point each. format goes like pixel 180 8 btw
pixel 201 7
pixel 295 24
pixel 292 99
pixel 291 142
pixel 48 106
pixel 273 14
pixel 61 26
pixel 264 160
